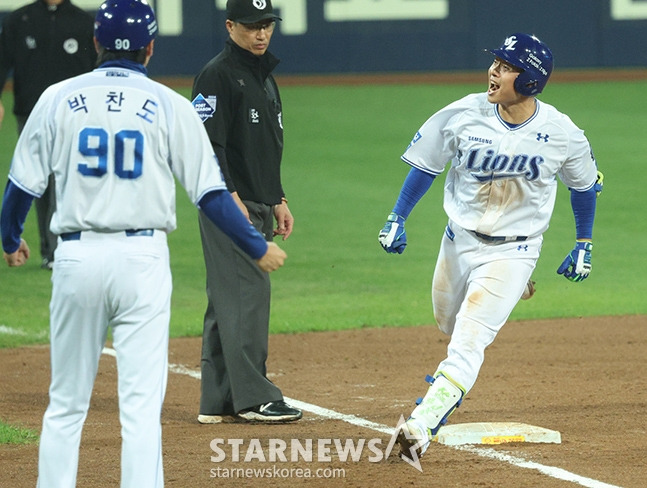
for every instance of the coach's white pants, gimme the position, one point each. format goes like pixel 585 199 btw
pixel 107 281
pixel 476 286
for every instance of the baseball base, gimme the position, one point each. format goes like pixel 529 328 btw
pixel 492 433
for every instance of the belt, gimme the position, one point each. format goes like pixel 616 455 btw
pixel 486 237
pixel 76 236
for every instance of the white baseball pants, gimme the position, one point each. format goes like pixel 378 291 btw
pixel 104 281
pixel 476 286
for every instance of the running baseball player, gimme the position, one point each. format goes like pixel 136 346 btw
pixel 505 151
pixel 115 141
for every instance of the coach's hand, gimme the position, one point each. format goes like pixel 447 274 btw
pixel 577 265
pixel 392 237
pixel 19 257
pixel 273 259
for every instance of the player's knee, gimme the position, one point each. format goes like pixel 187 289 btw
pixel 445 324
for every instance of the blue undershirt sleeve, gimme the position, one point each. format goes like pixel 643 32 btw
pixel 222 210
pixel 583 204
pixel 15 207
pixel 413 189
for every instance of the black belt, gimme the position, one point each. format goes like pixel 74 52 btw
pixel 486 237
pixel 75 236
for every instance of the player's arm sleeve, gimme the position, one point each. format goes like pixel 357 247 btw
pixel 413 189
pixel 15 206
pixel 583 204
pixel 221 209
pixel 579 173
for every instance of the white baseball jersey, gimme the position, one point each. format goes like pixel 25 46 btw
pixel 502 180
pixel 113 177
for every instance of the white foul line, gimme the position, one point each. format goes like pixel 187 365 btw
pixel 485 452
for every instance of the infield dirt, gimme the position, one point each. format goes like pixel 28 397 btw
pixel 584 377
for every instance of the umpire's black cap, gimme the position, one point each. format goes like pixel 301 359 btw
pixel 250 11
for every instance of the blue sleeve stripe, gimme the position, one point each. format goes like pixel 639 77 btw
pixel 426 170
pixel 204 193
pixel 26 190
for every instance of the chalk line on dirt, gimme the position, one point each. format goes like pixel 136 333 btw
pixel 485 452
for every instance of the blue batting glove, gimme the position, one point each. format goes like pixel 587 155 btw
pixel 392 237
pixel 577 265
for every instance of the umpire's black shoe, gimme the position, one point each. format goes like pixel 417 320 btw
pixel 278 411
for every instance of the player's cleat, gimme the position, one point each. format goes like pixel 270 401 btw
pixel 47 264
pixel 278 411
pixel 215 419
pixel 414 439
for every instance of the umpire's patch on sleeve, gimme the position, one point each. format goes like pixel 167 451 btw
pixel 205 107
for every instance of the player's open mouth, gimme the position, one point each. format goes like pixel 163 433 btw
pixel 492 88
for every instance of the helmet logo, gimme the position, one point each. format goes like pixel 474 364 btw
pixel 260 4
pixel 509 43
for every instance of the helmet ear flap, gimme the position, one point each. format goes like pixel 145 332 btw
pixel 526 87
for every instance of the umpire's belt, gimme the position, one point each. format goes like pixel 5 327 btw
pixel 488 238
pixel 76 236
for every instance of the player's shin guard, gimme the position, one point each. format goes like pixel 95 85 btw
pixel 442 398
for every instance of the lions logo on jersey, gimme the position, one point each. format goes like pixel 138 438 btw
pixel 487 165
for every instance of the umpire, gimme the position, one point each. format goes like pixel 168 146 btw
pixel 43 43
pixel 238 100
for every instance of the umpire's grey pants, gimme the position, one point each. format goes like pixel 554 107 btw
pixel 236 322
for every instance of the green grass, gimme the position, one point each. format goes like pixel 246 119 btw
pixel 11 434
pixel 342 174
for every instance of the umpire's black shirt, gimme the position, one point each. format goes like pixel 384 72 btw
pixel 44 45
pixel 246 129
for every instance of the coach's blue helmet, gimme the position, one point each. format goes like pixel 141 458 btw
pixel 125 25
pixel 532 56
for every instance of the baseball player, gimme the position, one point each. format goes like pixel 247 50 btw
pixel 505 151
pixel 115 141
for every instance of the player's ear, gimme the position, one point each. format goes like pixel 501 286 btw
pixel 149 51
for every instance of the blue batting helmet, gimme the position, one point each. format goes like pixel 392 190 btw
pixel 532 56
pixel 125 25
